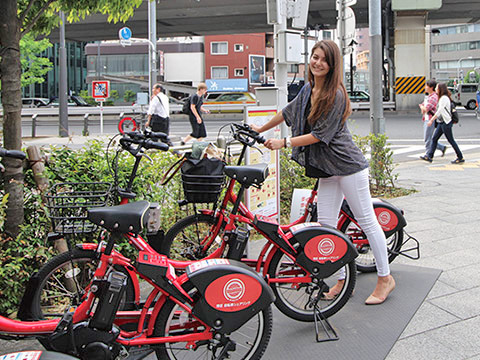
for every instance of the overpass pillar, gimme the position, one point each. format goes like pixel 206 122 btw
pixel 411 59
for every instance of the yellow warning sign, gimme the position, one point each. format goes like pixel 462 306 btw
pixel 410 85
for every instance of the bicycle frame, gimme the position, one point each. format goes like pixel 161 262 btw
pixel 142 335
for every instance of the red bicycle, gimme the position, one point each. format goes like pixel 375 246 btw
pixel 217 309
pixel 193 237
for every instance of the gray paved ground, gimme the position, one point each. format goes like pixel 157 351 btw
pixel 442 215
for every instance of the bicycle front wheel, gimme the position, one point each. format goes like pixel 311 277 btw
pixel 295 299
pixel 365 260
pixel 192 238
pixel 63 281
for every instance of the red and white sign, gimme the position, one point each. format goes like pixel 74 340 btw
pixel 325 248
pixel 24 355
pixel 100 89
pixel 233 292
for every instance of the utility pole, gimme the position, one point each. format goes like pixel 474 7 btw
pixel 62 84
pixel 377 121
pixel 152 37
pixel 281 69
pixel 305 41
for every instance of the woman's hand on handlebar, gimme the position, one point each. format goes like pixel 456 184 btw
pixel 275 144
pixel 255 128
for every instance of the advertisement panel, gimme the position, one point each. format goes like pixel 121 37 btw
pixel 266 200
pixel 256 72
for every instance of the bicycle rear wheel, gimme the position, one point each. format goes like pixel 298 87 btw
pixel 295 299
pixel 365 260
pixel 251 339
pixel 63 281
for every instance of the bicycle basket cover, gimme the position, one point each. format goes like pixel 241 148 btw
pixel 202 179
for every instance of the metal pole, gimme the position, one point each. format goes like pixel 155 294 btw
pixel 281 70
pixel 351 72
pixel 98 60
pixel 152 53
pixel 305 34
pixel 62 85
pixel 377 121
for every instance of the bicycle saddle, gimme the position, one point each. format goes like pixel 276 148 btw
pixel 121 218
pixel 248 175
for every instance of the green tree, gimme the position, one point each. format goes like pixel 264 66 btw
pixel 17 19
pixel 34 67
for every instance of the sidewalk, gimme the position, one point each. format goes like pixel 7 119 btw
pixel 443 216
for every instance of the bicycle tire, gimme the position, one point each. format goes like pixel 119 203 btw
pixel 365 260
pixel 182 241
pixel 286 302
pixel 172 312
pixel 127 124
pixel 63 262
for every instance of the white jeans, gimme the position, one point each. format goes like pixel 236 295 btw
pixel 355 189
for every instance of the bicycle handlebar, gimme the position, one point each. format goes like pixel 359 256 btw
pixel 127 143
pixel 246 135
pixel 148 134
pixel 16 154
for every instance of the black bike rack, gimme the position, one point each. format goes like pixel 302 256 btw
pixel 322 323
pixel 415 248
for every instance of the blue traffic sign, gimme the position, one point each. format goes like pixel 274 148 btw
pixel 125 33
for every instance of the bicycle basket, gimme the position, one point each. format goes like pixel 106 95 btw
pixel 202 179
pixel 68 204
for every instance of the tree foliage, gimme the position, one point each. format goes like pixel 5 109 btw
pixel 34 17
pixel 34 67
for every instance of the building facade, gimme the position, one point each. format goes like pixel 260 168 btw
pixel 455 50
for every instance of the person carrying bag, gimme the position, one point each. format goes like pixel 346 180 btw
pixel 158 112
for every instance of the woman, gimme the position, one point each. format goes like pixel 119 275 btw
pixel 443 117
pixel 323 145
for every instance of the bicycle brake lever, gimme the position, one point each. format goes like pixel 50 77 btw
pixel 257 148
pixel 148 157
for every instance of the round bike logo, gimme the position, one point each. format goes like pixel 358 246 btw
pixel 384 218
pixel 234 290
pixel 326 247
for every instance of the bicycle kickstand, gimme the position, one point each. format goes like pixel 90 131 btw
pixel 328 330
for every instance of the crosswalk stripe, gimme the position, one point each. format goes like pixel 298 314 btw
pixel 449 150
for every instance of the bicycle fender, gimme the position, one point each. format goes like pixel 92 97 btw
pixel 25 312
pixel 389 217
pixel 231 293
pixel 324 249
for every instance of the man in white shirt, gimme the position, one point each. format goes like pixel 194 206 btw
pixel 158 112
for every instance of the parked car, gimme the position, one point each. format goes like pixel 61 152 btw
pixel 34 102
pixel 73 100
pixel 358 95
pixel 232 98
pixel 466 96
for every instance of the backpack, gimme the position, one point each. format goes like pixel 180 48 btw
pixel 186 106
pixel 454 113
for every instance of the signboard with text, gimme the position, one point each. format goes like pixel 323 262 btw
pixel 227 84
pixel 266 200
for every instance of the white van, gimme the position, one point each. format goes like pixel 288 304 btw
pixel 466 96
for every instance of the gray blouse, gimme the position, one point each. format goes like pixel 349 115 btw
pixel 336 153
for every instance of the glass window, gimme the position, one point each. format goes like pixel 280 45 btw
pixel 238 47
pixel 219 48
pixel 219 72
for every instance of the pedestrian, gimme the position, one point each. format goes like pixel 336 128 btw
pixel 443 119
pixel 159 111
pixel 428 109
pixel 195 115
pixel 322 143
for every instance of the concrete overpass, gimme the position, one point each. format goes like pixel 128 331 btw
pixel 404 33
pixel 204 17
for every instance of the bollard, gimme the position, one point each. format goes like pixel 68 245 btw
pixel 34 125
pixel 85 125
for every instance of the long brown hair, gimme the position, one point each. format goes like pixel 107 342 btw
pixel 333 81
pixel 443 90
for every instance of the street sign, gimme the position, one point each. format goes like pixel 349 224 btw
pixel 100 89
pixel 125 33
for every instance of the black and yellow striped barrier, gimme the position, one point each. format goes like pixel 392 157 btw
pixel 410 85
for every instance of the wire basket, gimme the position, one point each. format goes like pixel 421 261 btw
pixel 68 204
pixel 202 188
